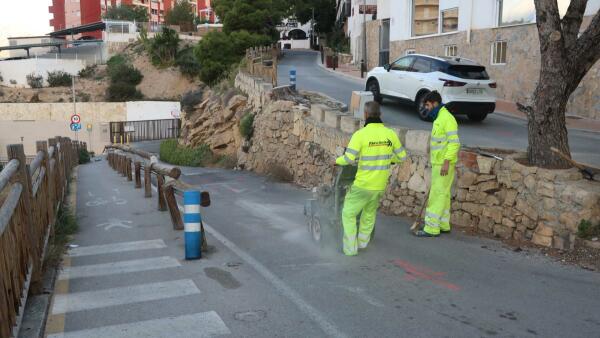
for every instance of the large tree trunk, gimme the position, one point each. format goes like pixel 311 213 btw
pixel 566 56
pixel 546 122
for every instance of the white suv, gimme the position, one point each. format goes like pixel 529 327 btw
pixel 464 84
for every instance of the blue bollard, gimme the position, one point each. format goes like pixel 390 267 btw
pixel 293 78
pixel 191 220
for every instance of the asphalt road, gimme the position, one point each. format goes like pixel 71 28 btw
pixel 497 131
pixel 401 286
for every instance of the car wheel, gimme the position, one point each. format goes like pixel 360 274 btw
pixel 477 117
pixel 373 87
pixel 423 113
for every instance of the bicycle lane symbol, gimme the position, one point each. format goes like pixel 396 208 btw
pixel 98 201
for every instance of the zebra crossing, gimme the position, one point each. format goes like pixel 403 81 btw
pixel 201 324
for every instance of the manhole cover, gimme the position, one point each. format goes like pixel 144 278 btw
pixel 250 316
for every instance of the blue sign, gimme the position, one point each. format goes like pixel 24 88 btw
pixel 75 127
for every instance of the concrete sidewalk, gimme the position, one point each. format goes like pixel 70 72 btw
pixel 128 278
pixel 502 107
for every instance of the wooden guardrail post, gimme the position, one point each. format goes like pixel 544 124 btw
pixel 173 208
pixel 147 180
pixel 122 167
pixel 138 174
pixel 128 164
pixel 43 146
pixel 161 197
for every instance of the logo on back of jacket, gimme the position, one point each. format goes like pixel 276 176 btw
pixel 387 143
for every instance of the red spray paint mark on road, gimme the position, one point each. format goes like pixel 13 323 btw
pixel 414 273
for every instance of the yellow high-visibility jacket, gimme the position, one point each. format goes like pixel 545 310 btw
pixel 444 138
pixel 374 148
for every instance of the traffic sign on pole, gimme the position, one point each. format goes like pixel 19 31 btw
pixel 75 118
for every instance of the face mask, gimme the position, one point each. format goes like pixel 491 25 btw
pixel 433 113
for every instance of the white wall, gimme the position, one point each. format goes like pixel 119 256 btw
pixel 152 110
pixel 473 14
pixel 384 9
pixel 296 44
pixel 19 69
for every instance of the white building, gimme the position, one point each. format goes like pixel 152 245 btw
pixel 294 35
pixel 356 13
pixel 499 34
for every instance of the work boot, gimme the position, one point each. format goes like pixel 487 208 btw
pixel 422 233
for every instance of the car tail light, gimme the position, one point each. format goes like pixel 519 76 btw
pixel 493 85
pixel 451 83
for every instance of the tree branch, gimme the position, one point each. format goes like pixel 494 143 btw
pixel 571 22
pixel 548 24
pixel 587 51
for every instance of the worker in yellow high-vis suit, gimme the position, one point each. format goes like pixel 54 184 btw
pixel 374 148
pixel 444 149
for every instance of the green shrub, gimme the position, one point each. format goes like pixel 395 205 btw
pixel 217 52
pixel 59 78
pixel 125 73
pixel 88 71
pixel 123 79
pixel 587 230
pixel 121 91
pixel 35 81
pixel 187 63
pixel 163 47
pixel 116 60
pixel 84 156
pixel 171 152
pixel 247 125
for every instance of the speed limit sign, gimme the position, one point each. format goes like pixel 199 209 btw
pixel 75 118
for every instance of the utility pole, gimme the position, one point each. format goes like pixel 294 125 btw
pixel 74 105
pixel 365 32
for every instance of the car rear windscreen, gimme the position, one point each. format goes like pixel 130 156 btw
pixel 468 72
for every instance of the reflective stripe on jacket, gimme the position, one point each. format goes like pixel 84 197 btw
pixel 445 143
pixel 374 148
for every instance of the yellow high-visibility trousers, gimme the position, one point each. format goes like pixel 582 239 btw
pixel 437 214
pixel 363 202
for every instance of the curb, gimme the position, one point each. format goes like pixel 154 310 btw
pixel 350 77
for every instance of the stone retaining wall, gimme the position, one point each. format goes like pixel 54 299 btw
pixel 504 198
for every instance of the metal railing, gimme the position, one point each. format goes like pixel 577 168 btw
pixel 30 196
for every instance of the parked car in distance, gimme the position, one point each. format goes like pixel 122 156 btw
pixel 465 86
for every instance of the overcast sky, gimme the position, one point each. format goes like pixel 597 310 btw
pixel 23 17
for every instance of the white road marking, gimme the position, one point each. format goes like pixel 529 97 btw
pixel 115 223
pixel 64 303
pixel 114 268
pixel 205 324
pixel 329 328
pixel 117 247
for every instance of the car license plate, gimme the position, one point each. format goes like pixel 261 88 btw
pixel 475 91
